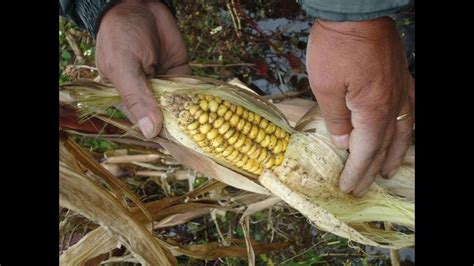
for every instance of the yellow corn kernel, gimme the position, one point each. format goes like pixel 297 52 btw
pixel 228 115
pixel 237 158
pixel 203 143
pixel 265 141
pixel 249 164
pixel 213 105
pixel 198 114
pixel 257 118
pixel 233 155
pixel 204 105
pixel 212 134
pixel 253 132
pixel 270 129
pixel 205 128
pixel 240 125
pixel 229 133
pixel 218 99
pixel 221 110
pixel 273 141
pixel 278 159
pixel 232 107
pixel 224 128
pixel 193 125
pixel 218 123
pixel 233 139
pixel 263 123
pixel 194 109
pixel 250 117
pixel 279 133
pixel 278 147
pixel 242 161
pixel 212 118
pixel 227 151
pixel 208 97
pixel 260 135
pixel 256 153
pixel 247 127
pixel 246 147
pixel 252 149
pixel 216 142
pixel 261 157
pixel 219 149
pixel 226 104
pixel 245 114
pixel 240 141
pixel 269 163
pixel 204 118
pixel 199 137
pixel 285 145
pixel 239 110
pixel 234 120
pixel 254 168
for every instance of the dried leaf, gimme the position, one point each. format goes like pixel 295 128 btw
pixel 95 243
pixel 80 194
pixel 244 222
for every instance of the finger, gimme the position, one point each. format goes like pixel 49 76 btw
pixel 337 116
pixel 366 140
pixel 134 88
pixel 330 93
pixel 400 143
pixel 363 186
pixel 180 70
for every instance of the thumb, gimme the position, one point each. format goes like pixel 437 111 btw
pixel 139 102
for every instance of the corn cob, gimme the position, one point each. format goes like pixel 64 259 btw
pixel 229 132
pixel 242 132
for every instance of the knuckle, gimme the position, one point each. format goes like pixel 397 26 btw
pixel 131 101
pixel 336 118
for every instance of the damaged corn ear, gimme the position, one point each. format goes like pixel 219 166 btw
pixel 230 132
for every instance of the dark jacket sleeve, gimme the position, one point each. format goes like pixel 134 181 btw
pixel 352 10
pixel 87 14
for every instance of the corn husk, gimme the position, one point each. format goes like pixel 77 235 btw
pixel 307 180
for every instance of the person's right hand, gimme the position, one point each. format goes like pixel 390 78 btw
pixel 139 39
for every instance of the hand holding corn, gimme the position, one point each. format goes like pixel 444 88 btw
pixel 136 40
pixel 359 74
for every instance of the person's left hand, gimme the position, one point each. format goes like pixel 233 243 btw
pixel 359 75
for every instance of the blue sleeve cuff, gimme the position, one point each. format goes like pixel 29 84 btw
pixel 351 10
pixel 87 14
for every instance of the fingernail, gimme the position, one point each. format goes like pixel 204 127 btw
pixel 345 187
pixel 147 127
pixel 392 173
pixel 341 141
